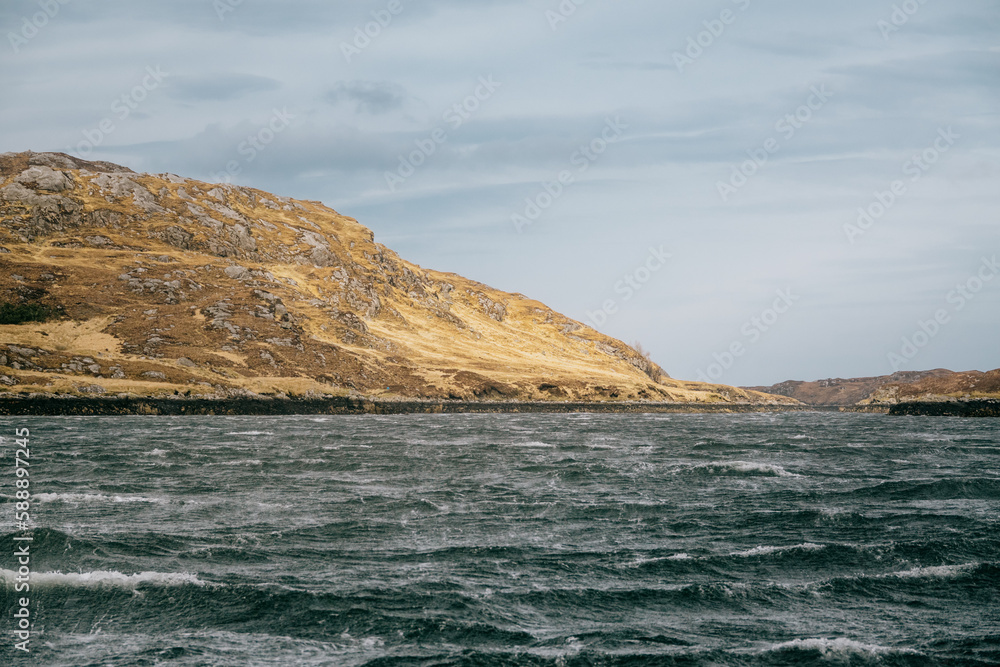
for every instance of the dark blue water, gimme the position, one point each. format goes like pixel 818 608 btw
pixel 768 539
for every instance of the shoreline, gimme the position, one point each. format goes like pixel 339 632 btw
pixel 51 406
pixel 972 408
pixel 72 406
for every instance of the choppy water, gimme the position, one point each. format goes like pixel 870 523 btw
pixel 767 539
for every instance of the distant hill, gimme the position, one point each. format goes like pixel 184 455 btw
pixel 850 391
pixel 967 385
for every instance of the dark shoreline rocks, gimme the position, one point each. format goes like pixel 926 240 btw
pixel 117 406
pixel 974 408
pixel 99 406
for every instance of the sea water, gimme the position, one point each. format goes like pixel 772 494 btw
pixel 759 539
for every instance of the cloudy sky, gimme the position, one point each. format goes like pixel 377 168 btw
pixel 755 190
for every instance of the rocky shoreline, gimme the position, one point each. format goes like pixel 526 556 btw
pixel 972 408
pixel 56 406
pixel 354 405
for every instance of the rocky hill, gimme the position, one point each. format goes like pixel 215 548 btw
pixel 964 386
pixel 840 391
pixel 934 385
pixel 119 283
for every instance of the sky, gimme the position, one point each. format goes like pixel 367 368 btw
pixel 754 190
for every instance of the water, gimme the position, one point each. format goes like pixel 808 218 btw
pixel 762 539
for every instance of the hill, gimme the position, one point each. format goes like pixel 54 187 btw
pixel 934 385
pixel 119 283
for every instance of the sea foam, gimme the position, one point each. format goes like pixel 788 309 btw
pixel 107 579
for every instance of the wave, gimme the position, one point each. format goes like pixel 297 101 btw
pixel 942 580
pixel 935 572
pixel 968 488
pixel 767 550
pixel 737 469
pixel 729 595
pixel 838 648
pixel 95 498
pixel 237 462
pixel 106 579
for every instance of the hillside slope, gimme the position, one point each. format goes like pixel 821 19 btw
pixel 934 385
pixel 963 386
pixel 156 284
pixel 841 391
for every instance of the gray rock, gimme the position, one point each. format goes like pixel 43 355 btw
pixel 178 237
pixel 53 160
pixel 241 238
pixel 187 363
pixel 237 272
pixel 267 296
pixel 121 186
pixel 322 257
pixel 154 374
pixel 45 178
pixel 63 161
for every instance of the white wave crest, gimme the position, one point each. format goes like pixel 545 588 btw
pixel 840 647
pixel 95 498
pixel 765 550
pixel 107 579
pixel 934 572
pixel 748 467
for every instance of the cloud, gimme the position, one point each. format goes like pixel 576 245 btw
pixel 219 87
pixel 370 97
